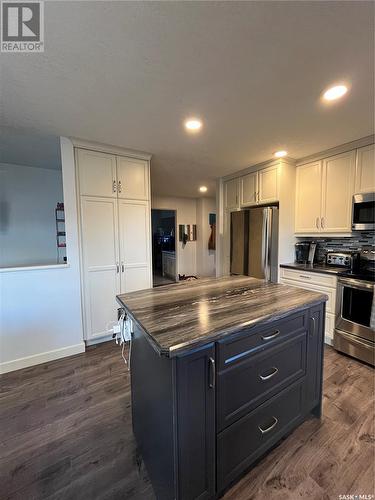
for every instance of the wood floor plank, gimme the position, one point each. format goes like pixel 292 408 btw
pixel 65 434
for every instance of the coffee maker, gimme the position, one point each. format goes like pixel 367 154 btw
pixel 305 252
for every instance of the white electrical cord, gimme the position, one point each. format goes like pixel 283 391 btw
pixel 125 331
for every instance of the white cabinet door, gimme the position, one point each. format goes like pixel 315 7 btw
pixel 308 197
pixel 101 278
pixel 97 173
pixel 365 170
pixel 134 226
pixel 231 200
pixel 338 189
pixel 132 177
pixel 249 188
pixel 268 188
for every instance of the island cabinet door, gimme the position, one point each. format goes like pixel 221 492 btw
pixel 315 358
pixel 196 424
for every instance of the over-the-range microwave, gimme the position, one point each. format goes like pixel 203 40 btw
pixel 363 214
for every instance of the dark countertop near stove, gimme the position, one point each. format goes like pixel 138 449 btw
pixel 315 268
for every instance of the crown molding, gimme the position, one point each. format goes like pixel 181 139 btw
pixel 259 166
pixel 343 148
pixel 109 148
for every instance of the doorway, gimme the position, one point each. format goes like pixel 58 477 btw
pixel 164 269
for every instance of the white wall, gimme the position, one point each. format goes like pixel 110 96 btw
pixel 40 310
pixel 205 257
pixel 186 209
pixel 27 222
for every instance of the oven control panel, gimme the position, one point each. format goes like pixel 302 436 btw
pixel 338 259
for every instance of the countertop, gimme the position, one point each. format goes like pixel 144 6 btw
pixel 315 268
pixel 188 314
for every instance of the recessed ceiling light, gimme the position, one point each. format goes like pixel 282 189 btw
pixel 335 92
pixel 193 124
pixel 280 154
pixel 203 189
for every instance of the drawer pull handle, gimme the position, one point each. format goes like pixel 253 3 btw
pixel 269 429
pixel 305 277
pixel 312 334
pixel 267 377
pixel 211 382
pixel 272 336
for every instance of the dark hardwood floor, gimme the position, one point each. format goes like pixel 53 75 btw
pixel 66 434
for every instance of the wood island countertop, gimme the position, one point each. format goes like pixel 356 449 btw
pixel 185 315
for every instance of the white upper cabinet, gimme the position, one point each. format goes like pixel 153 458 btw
pixel 231 198
pixel 132 178
pixel 365 170
pixel 308 197
pixel 268 184
pixel 97 173
pixel 324 191
pixel 338 189
pixel 260 187
pixel 249 189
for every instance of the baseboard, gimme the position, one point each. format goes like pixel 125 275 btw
pixel 99 340
pixel 43 357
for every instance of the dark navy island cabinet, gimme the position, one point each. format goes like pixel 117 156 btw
pixel 203 418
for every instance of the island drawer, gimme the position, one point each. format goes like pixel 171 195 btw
pixel 244 386
pixel 246 343
pixel 245 441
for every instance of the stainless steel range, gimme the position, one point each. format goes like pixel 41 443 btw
pixel 355 309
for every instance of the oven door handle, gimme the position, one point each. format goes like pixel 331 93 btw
pixel 352 283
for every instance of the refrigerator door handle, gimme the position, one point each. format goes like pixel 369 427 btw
pixel 266 243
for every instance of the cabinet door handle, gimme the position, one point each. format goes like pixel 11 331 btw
pixel 272 336
pixel 313 326
pixel 255 196
pixel 122 267
pixel 317 223
pixel 258 196
pixel 211 364
pixel 119 187
pixel 117 267
pixel 323 223
pixel 114 186
pixel 269 429
pixel 267 377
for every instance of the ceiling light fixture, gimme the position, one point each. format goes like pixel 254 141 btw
pixel 280 154
pixel 203 189
pixel 193 124
pixel 335 92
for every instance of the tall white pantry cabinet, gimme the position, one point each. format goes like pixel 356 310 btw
pixel 115 231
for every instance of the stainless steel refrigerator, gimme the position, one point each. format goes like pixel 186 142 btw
pixel 254 242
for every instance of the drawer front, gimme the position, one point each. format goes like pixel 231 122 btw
pixel 243 442
pixel 247 343
pixel 244 386
pixel 331 292
pixel 309 277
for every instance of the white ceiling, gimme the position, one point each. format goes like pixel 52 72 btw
pixel 129 73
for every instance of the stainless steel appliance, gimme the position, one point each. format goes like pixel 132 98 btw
pixel 254 242
pixel 342 259
pixel 355 311
pixel 363 212
pixel 305 252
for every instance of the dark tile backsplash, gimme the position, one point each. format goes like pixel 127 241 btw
pixel 349 244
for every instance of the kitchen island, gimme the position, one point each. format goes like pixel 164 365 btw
pixel 221 370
